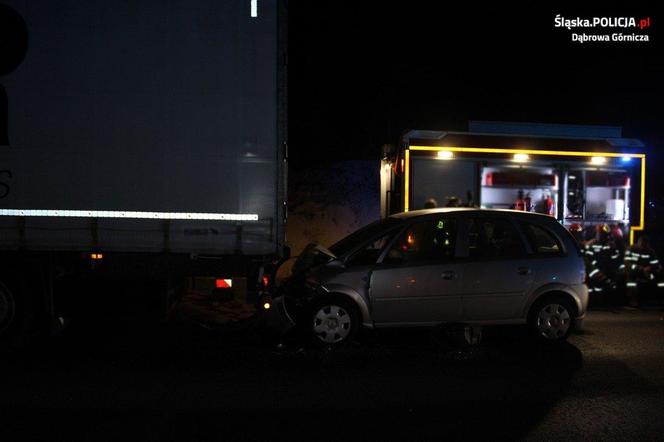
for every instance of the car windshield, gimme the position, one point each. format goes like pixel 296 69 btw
pixel 362 235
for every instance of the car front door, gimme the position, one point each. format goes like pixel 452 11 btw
pixel 498 274
pixel 417 280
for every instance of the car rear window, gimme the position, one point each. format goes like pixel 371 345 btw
pixel 542 241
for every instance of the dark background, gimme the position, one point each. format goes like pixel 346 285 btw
pixel 362 73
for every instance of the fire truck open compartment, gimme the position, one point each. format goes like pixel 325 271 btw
pixel 502 184
pixel 583 175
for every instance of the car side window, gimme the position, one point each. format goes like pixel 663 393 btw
pixel 430 240
pixel 369 254
pixel 541 240
pixel 493 238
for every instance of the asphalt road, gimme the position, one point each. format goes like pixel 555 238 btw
pixel 181 381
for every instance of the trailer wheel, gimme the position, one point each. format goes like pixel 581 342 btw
pixel 7 309
pixel 16 314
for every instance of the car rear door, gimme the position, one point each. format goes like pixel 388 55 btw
pixel 548 256
pixel 498 274
pixel 417 280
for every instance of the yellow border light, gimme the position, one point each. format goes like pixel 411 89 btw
pixel 406 179
pixel 643 203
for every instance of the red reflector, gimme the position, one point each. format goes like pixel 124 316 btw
pixel 224 283
pixel 266 281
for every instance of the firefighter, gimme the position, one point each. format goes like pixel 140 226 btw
pixel 602 263
pixel 452 201
pixel 618 237
pixel 430 203
pixel 576 230
pixel 643 272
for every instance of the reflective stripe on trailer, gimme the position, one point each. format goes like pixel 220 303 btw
pixel 126 214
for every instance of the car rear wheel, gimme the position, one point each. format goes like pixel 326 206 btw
pixel 551 319
pixel 332 321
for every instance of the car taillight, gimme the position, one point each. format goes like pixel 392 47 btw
pixel 266 282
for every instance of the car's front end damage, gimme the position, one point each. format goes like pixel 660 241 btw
pixel 293 285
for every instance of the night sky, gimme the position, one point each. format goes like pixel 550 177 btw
pixel 362 73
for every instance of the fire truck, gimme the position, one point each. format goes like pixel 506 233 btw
pixel 582 175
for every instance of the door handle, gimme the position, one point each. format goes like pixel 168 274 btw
pixel 448 275
pixel 524 270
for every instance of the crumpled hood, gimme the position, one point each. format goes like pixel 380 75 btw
pixel 312 256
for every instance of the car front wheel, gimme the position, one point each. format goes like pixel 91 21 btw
pixel 333 321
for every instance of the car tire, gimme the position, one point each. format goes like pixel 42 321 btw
pixel 551 319
pixel 331 321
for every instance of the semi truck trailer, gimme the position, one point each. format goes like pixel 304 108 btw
pixel 144 146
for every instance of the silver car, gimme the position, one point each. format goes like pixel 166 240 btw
pixel 429 267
